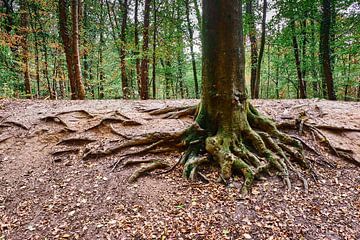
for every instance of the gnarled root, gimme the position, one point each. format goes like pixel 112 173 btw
pixel 173 112
pixel 146 168
pixel 256 149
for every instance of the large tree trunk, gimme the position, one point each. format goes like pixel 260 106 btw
pixel 64 33
pixel 325 48
pixel 225 115
pixel 75 46
pixel 24 22
pixel 144 81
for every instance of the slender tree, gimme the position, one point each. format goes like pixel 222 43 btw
pixel 136 42
pixel 75 49
pixel 298 61
pixel 67 45
pixel 124 79
pixel 325 52
pixel 24 30
pixel 155 28
pixel 191 40
pixel 253 45
pixel 144 81
pixel 261 51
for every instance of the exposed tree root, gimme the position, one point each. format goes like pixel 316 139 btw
pixel 112 119
pixel 252 149
pixel 4 138
pixel 173 112
pixel 65 151
pixel 58 119
pixel 74 111
pixel 153 139
pixel 113 130
pixel 301 125
pixel 9 123
pixel 76 141
pixel 146 169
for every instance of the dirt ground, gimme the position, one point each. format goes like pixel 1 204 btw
pixel 43 196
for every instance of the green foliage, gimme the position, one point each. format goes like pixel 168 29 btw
pixel 174 77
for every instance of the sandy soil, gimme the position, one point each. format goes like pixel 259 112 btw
pixel 64 197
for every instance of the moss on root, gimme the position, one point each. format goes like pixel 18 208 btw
pixel 251 147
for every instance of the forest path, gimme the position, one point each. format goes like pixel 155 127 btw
pixel 47 190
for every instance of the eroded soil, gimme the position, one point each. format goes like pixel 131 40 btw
pixel 43 196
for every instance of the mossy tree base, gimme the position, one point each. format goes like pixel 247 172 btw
pixel 249 145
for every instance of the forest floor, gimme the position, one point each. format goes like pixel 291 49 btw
pixel 48 192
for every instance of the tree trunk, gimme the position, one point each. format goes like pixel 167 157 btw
pixel 154 52
pixel 144 81
pixel 75 47
pixel 261 51
pixel 64 33
pixel 24 24
pixel 313 60
pixel 225 116
pixel 298 62
pixel 191 40
pixel 100 54
pixel 253 45
pixel 303 57
pixel 325 48
pixel 124 79
pixel 136 41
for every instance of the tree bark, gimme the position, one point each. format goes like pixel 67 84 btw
pixel 304 52
pixel 75 46
pixel 136 41
pixel 261 51
pixel 191 41
pixel 154 52
pixel 253 46
pixel 124 79
pixel 24 24
pixel 144 81
pixel 325 48
pixel 67 44
pixel 298 62
pixel 313 60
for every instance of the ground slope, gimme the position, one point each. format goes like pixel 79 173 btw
pixel 48 191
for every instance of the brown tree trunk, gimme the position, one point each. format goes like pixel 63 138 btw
pixel 253 45
pixel 325 48
pixel 303 58
pixel 136 41
pixel 100 69
pixel 154 52
pixel 67 44
pixel 24 24
pixel 144 81
pixel 191 40
pixel 313 61
pixel 75 47
pixel 298 62
pixel 261 51
pixel 124 79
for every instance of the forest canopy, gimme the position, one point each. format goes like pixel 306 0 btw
pixel 94 49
